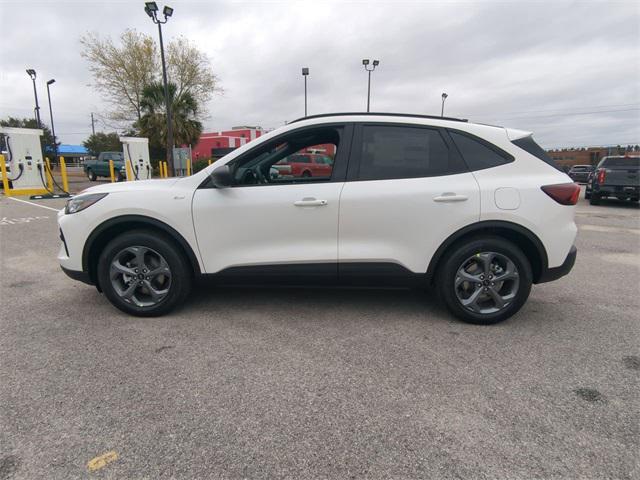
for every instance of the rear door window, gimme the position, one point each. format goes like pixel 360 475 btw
pixel 393 152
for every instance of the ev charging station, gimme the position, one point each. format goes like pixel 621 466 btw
pixel 136 158
pixel 26 166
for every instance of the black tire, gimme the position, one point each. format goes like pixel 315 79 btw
pixel 458 254
pixel 306 174
pixel 90 175
pixel 120 177
pixel 180 271
pixel 595 199
pixel 587 194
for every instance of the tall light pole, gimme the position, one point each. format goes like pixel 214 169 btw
pixel 365 62
pixel 32 73
pixel 151 8
pixel 305 74
pixel 444 97
pixel 53 129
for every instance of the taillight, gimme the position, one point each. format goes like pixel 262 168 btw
pixel 563 193
pixel 602 174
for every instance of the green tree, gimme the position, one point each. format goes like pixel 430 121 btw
pixel 103 142
pixel 121 70
pixel 184 114
pixel 46 139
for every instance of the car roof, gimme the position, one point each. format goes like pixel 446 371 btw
pixel 378 114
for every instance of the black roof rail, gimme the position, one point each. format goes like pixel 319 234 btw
pixel 379 114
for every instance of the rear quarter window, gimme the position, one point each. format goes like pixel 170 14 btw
pixel 477 153
pixel 530 146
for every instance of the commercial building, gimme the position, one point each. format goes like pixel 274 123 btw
pixel 217 144
pixel 567 157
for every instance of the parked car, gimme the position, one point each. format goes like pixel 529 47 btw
pixel 478 212
pixel 100 167
pixel 615 176
pixel 580 173
pixel 305 165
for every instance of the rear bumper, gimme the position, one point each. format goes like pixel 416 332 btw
pixel 618 190
pixel 555 273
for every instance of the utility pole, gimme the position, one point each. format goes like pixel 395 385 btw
pixel 305 74
pixel 93 125
pixel 365 62
pixel 32 74
pixel 151 8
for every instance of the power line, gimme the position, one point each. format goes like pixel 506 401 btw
pixel 560 110
pixel 565 114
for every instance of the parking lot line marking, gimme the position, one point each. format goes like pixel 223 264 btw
pixel 101 461
pixel 35 204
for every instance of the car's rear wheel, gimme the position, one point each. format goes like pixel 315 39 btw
pixel 485 280
pixel 90 175
pixel 306 174
pixel 144 273
pixel 595 199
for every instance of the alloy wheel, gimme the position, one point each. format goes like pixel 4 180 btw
pixel 140 276
pixel 487 282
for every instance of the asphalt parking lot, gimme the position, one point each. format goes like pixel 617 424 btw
pixel 301 383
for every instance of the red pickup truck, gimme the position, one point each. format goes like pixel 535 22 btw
pixel 305 165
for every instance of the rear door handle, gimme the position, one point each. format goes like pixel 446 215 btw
pixel 450 197
pixel 310 202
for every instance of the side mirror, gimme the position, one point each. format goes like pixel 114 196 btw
pixel 221 177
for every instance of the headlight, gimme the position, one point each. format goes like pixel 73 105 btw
pixel 79 203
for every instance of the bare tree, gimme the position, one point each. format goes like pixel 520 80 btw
pixel 190 70
pixel 122 70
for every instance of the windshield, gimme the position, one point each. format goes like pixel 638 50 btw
pixel 112 156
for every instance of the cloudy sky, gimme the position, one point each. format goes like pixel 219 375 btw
pixel 569 71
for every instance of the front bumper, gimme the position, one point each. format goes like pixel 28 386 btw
pixel 551 274
pixel 76 275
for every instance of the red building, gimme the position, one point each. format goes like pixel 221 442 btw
pixel 217 144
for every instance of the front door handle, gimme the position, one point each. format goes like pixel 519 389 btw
pixel 310 202
pixel 450 197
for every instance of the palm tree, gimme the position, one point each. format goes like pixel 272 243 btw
pixel 184 111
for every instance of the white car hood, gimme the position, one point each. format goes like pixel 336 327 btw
pixel 158 184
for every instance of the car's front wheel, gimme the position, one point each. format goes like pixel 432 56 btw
pixel 144 273
pixel 91 176
pixel 485 280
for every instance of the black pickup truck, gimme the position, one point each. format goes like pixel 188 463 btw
pixel 617 176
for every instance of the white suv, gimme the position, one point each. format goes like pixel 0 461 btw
pixel 478 212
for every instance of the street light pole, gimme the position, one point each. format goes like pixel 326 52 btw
pixel 444 97
pixel 151 8
pixel 32 73
pixel 53 128
pixel 365 62
pixel 305 74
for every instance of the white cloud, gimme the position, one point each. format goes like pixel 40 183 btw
pixel 499 62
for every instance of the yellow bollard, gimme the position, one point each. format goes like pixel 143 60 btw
pixel 128 168
pixel 188 167
pixel 112 173
pixel 5 180
pixel 164 169
pixel 63 172
pixel 209 161
pixel 48 175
